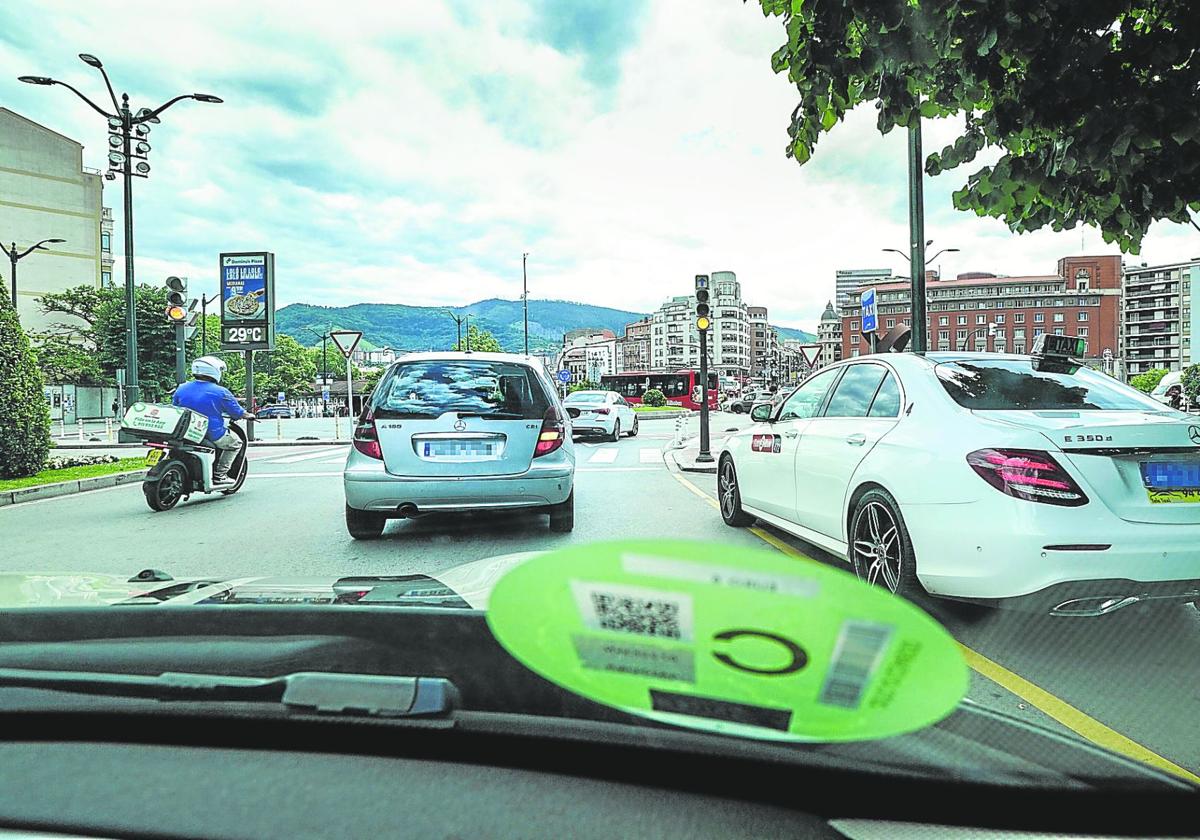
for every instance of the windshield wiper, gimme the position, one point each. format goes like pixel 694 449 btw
pixel 311 691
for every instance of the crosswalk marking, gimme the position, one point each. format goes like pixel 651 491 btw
pixel 304 456
pixel 341 459
pixel 606 455
pixel 650 456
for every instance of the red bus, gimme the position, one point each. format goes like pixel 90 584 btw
pixel 681 388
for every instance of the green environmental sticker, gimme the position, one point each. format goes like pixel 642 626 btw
pixel 736 641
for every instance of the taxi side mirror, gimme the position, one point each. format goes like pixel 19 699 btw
pixel 762 412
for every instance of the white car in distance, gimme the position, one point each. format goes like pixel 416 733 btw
pixel 601 413
pixel 1024 481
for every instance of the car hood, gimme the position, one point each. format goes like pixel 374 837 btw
pixel 467 587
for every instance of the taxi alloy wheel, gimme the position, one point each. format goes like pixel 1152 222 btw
pixel 880 548
pixel 730 497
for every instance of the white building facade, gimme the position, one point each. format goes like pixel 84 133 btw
pixel 1159 316
pixel 46 193
pixel 675 341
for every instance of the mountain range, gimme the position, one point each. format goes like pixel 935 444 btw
pixel 404 327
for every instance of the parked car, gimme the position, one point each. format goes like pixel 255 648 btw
pixel 601 413
pixel 1002 479
pixel 274 410
pixel 460 432
pixel 748 399
pixel 1169 391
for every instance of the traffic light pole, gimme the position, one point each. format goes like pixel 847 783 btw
pixel 180 354
pixel 705 457
pixel 250 393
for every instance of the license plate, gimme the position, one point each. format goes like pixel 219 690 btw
pixel 1172 482
pixel 459 449
pixel 153 457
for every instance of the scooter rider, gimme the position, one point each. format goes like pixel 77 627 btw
pixel 205 395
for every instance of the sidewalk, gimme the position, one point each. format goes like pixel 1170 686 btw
pixel 685 456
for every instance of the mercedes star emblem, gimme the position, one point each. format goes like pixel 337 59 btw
pixel 461 426
pixel 1194 434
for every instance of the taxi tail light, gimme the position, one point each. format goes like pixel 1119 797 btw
pixel 552 434
pixel 366 438
pixel 1029 474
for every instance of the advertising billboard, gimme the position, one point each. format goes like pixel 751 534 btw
pixel 248 301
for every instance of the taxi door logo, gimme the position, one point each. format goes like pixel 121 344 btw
pixel 766 443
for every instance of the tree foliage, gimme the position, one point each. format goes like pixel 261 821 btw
pixel 1092 103
pixel 583 385
pixel 24 413
pixel 1190 379
pixel 654 398
pixel 63 360
pixel 94 321
pixel 480 341
pixel 1148 381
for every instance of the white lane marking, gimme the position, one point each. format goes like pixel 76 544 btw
pixel 604 456
pixel 304 456
pixel 341 459
pixel 651 456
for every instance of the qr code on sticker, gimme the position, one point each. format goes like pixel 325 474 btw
pixel 643 616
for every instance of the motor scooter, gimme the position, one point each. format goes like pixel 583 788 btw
pixel 180 468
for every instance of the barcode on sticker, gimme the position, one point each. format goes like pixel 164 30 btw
pixel 637 615
pixel 634 609
pixel 858 652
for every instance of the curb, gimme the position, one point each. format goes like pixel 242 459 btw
pixel 68 488
pixel 663 415
pixel 692 466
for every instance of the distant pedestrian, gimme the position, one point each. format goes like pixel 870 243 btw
pixel 116 408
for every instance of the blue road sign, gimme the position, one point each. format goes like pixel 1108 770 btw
pixel 564 376
pixel 870 320
pixel 325 394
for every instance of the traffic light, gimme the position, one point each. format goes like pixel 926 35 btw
pixel 177 311
pixel 703 322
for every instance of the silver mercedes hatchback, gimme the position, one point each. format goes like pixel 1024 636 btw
pixel 460 432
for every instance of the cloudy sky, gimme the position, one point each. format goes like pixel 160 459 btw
pixel 408 152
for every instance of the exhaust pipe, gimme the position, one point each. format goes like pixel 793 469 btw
pixel 407 510
pixel 1095 605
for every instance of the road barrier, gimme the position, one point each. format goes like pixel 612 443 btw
pixel 109 429
pixel 80 423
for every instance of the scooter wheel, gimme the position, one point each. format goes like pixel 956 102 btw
pixel 166 492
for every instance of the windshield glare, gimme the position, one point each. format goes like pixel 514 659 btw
pixel 433 388
pixel 1004 385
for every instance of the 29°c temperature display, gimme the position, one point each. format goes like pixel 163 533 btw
pixel 244 335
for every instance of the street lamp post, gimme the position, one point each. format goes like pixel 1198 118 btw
pixel 916 257
pixel 14 257
pixel 204 302
pixel 324 362
pixel 124 121
pixel 459 322
pixel 525 298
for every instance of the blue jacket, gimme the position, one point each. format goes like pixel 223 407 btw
pixel 210 399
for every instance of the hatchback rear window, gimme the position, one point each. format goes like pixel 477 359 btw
pixel 433 387
pixel 1010 384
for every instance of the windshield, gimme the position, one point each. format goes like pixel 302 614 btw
pixel 486 389
pixel 1004 385
pixel 495 282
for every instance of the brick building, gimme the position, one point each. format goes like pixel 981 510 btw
pixel 984 312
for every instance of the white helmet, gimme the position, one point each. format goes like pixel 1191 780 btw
pixel 209 366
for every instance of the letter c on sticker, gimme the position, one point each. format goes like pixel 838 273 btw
pixel 799 657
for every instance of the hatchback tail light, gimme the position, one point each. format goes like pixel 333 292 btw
pixel 1027 474
pixel 552 434
pixel 366 438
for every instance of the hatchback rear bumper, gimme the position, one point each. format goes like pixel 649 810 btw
pixel 371 487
